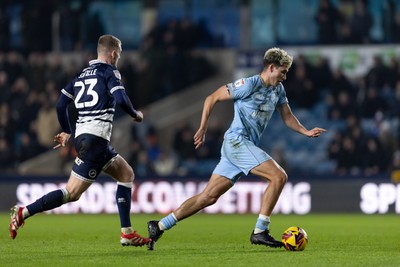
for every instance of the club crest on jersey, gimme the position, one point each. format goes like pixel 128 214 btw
pixel 239 83
pixel 117 74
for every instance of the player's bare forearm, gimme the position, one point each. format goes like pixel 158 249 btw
pixel 221 94
pixel 208 107
pixel 200 135
pixel 294 124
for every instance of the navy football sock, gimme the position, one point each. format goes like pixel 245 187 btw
pixel 49 201
pixel 124 197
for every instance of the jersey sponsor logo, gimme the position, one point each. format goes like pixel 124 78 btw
pixel 239 83
pixel 117 74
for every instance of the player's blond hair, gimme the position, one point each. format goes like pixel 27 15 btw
pixel 278 57
pixel 108 42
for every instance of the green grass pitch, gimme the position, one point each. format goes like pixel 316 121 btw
pixel 202 240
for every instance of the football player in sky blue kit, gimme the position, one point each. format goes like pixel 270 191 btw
pixel 254 98
pixel 95 91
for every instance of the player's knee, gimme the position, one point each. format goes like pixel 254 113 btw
pixel 129 175
pixel 207 199
pixel 132 175
pixel 282 178
pixel 125 175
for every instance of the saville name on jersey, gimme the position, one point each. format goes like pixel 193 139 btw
pixel 90 72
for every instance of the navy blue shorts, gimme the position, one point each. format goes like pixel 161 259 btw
pixel 94 155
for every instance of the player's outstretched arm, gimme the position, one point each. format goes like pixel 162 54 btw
pixel 221 94
pixel 293 123
pixel 125 103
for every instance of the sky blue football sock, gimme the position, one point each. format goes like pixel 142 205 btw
pixel 168 222
pixel 262 224
pixel 49 201
pixel 124 198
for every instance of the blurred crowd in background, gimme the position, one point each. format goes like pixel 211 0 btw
pixel 74 25
pixel 364 111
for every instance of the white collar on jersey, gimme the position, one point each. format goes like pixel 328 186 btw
pixel 94 61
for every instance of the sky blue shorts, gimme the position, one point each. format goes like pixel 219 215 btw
pixel 239 157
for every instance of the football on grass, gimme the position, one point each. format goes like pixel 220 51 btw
pixel 295 239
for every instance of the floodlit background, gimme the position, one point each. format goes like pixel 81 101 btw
pixel 345 78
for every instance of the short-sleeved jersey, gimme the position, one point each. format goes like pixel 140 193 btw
pixel 91 90
pixel 254 104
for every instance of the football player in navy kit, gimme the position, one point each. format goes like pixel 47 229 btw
pixel 95 91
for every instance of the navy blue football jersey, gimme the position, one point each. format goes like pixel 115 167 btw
pixel 91 90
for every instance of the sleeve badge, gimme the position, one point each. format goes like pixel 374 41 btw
pixel 117 74
pixel 239 83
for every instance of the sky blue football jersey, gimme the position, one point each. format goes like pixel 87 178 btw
pixel 254 104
